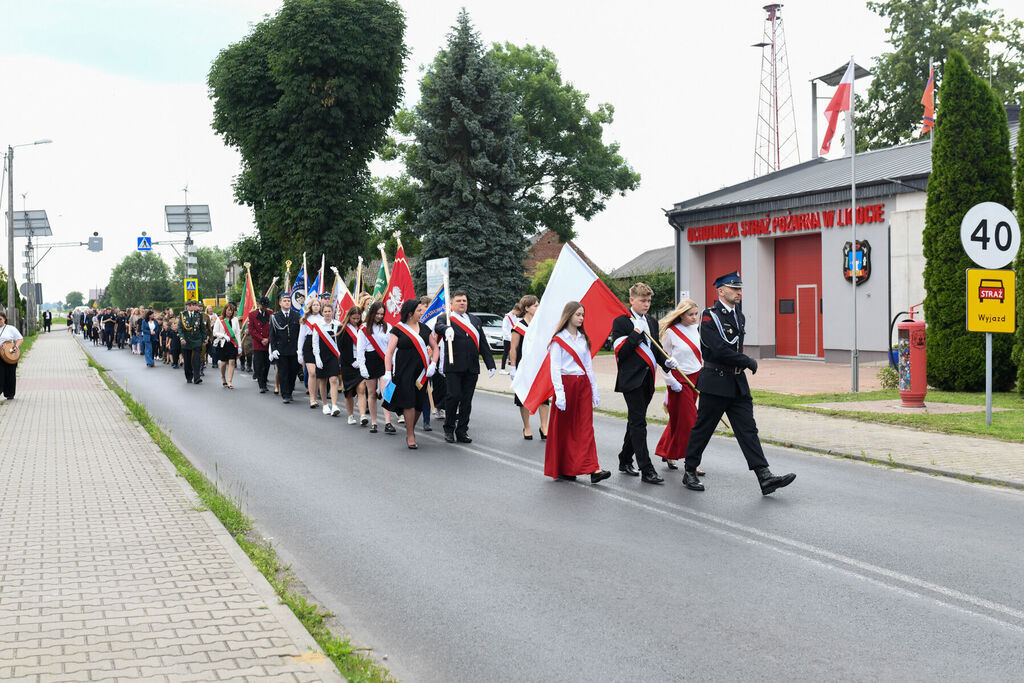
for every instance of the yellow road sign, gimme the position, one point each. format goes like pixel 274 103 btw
pixel 990 300
pixel 191 289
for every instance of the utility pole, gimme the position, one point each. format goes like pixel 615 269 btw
pixel 12 309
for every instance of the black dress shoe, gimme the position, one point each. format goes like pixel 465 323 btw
pixel 198 381
pixel 770 482
pixel 286 400
pixel 463 438
pixel 566 477
pixel 449 437
pixel 527 437
pixel 600 475
pixel 373 429
pixel 651 478
pixel 691 481
pixel 390 429
pixel 629 469
pixel 671 464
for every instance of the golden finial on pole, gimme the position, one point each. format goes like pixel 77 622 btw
pixel 247 265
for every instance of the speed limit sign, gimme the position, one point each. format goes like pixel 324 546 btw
pixel 990 235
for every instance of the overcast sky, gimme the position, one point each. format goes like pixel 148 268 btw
pixel 119 85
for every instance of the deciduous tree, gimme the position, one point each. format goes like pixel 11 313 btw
pixel 75 299
pixel 140 279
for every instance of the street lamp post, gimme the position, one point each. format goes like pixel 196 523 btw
pixel 12 308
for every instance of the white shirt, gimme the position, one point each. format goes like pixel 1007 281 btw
pixel 380 335
pixel 507 324
pixel 679 350
pixel 221 336
pixel 316 319
pixel 9 333
pixel 640 321
pixel 563 364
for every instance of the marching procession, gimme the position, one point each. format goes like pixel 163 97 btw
pixel 400 364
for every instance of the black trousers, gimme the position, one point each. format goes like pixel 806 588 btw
pixel 46 325
pixel 458 402
pixel 506 345
pixel 8 375
pixel 634 443
pixel 121 335
pixel 288 369
pixel 741 416
pixel 439 385
pixel 261 364
pixel 108 338
pixel 193 361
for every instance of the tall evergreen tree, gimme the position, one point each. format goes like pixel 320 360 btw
pixel 465 157
pixel 970 164
pixel 1018 196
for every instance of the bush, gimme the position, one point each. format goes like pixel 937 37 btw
pixel 888 377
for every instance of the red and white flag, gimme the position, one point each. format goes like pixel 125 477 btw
pixel 399 289
pixel 840 102
pixel 571 280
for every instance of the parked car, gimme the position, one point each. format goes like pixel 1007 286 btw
pixel 491 323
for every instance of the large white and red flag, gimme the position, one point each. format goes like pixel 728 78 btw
pixel 571 280
pixel 840 102
pixel 340 296
pixel 400 288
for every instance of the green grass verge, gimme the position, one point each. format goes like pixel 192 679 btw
pixel 1007 425
pixel 30 339
pixel 354 665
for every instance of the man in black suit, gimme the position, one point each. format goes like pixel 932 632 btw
pixel 636 357
pixel 465 334
pixel 724 389
pixel 284 344
pixel 47 320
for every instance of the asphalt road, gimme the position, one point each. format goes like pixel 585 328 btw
pixel 465 563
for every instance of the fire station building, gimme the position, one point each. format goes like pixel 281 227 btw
pixel 789 234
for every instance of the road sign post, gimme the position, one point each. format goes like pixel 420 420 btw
pixel 191 289
pixel 990 235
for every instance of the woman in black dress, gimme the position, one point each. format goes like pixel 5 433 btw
pixel 328 359
pixel 410 359
pixel 528 305
pixel 351 379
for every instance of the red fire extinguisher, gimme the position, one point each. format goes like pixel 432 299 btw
pixel 912 361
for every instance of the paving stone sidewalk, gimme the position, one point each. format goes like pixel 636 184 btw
pixel 109 566
pixel 984 459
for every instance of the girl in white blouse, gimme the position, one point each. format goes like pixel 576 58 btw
pixel 571 449
pixel 680 337
pixel 312 317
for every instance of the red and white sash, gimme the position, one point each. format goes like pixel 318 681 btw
pixel 373 342
pixel 643 349
pixel 353 335
pixel 567 347
pixel 325 338
pixel 468 329
pixel 693 347
pixel 519 329
pixel 420 347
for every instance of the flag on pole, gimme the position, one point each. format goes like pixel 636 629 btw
pixel 400 287
pixel 312 293
pixel 928 100
pixel 321 281
pixel 248 298
pixel 571 280
pixel 381 284
pixel 438 305
pixel 341 298
pixel 840 102
pixel 299 286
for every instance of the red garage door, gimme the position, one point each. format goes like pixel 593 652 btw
pixel 798 306
pixel 719 259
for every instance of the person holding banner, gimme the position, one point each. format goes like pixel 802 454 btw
pixel 636 360
pixel 571 449
pixel 464 333
pixel 373 339
pixel 680 337
pixel 311 322
pixel 410 360
pixel 227 339
pixel 327 350
pixel 351 378
pixel 526 308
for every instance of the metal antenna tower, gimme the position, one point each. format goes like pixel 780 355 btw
pixel 775 142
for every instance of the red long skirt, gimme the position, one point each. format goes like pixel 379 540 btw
pixel 571 449
pixel 682 414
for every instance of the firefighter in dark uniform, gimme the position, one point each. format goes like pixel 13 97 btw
pixel 724 390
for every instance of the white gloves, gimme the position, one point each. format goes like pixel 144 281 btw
pixel 597 400
pixel 431 369
pixel 490 372
pixel 355 364
pixel 449 333
pixel 274 355
pixel 319 363
pixel 364 372
pixel 671 363
pixel 678 386
pixel 512 371
pixel 301 359
pixel 560 400
pixel 386 379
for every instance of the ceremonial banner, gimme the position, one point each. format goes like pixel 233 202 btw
pixel 571 280
pixel 381 284
pixel 299 286
pixel 341 298
pixel 399 288
pixel 436 307
pixel 248 299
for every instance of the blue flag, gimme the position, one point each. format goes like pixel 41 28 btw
pixel 436 306
pixel 314 291
pixel 299 288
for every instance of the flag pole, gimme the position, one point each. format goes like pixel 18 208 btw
pixel 359 280
pixel 931 74
pixel 287 276
pixel 384 261
pixel 448 316
pixel 322 279
pixel 854 355
pixel 271 287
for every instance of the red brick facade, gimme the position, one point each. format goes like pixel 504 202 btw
pixel 546 246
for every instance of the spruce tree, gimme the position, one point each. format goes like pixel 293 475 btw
pixel 1018 196
pixel 466 158
pixel 970 164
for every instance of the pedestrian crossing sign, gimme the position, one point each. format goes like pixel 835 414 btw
pixel 191 289
pixel 144 244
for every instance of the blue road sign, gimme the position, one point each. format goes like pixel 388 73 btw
pixel 145 244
